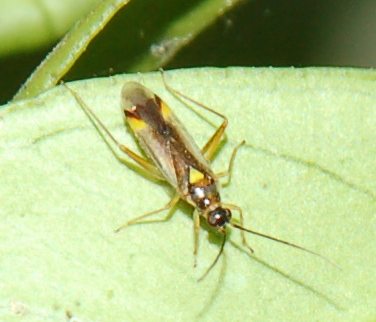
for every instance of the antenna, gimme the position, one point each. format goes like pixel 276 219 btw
pixel 216 259
pixel 284 242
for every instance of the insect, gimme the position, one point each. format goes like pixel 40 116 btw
pixel 173 156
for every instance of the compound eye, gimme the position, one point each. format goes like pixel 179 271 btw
pixel 219 217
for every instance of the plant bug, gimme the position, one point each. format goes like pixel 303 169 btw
pixel 174 157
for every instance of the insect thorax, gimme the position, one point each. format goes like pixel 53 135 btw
pixel 202 189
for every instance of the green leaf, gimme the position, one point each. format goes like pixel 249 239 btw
pixel 69 49
pixel 137 41
pixel 178 31
pixel 307 175
pixel 27 25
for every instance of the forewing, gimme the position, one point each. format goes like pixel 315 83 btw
pixel 161 135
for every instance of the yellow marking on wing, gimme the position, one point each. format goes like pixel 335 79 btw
pixel 195 176
pixel 165 110
pixel 136 124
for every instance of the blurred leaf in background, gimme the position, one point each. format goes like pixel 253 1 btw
pixel 28 25
pixel 143 35
pixel 144 41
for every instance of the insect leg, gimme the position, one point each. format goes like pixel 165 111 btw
pixel 145 164
pixel 211 146
pixel 196 232
pixel 239 210
pixel 228 172
pixel 139 220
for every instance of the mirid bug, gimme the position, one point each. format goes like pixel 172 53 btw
pixel 173 156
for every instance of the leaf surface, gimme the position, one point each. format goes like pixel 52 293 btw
pixel 307 175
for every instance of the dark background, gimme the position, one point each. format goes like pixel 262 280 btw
pixel 257 33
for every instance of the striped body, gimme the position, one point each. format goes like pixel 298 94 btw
pixel 169 146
